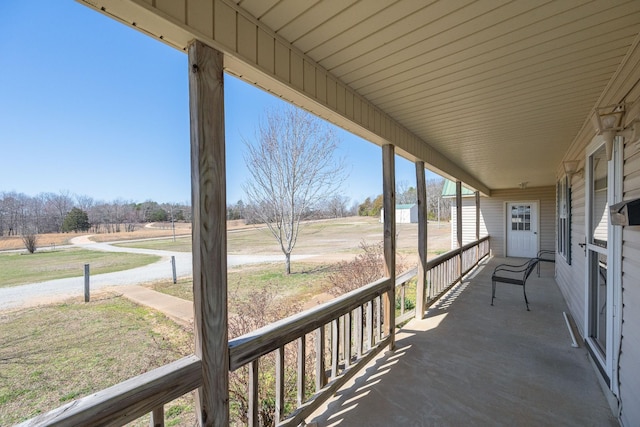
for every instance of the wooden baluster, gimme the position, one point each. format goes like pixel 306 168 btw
pixel 321 376
pixel 347 340
pixel 359 332
pixel 369 325
pixel 402 291
pixel 335 348
pixel 301 368
pixel 279 384
pixel 157 417
pixel 254 421
pixel 378 308
pixel 343 337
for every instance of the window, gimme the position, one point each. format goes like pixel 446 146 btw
pixel 521 218
pixel 564 219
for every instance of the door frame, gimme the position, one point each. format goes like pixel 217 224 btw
pixel 614 264
pixel 506 221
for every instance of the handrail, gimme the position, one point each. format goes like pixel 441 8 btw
pixel 452 253
pixel 128 400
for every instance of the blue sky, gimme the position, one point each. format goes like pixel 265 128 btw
pixel 90 106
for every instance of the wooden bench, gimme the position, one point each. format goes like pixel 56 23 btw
pixel 513 274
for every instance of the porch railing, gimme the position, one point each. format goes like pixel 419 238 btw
pixel 447 269
pixel 347 334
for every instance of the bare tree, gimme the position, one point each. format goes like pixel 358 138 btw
pixel 293 170
pixel 337 206
pixel 30 241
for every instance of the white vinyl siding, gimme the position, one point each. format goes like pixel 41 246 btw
pixel 570 278
pixel 468 221
pixel 630 346
pixel 494 219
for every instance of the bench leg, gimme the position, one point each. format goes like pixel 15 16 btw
pixel 525 297
pixel 493 290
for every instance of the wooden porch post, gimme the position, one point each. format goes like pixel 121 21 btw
pixel 389 205
pixel 459 225
pixel 206 105
pixel 421 186
pixel 477 225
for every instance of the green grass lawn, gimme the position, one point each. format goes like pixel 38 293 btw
pixel 305 280
pixel 22 268
pixel 54 354
pixel 182 244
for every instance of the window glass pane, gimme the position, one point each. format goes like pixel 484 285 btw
pixel 599 300
pixel 599 206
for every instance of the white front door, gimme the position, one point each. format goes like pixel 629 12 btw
pixel 522 229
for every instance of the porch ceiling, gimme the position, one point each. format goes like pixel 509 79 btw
pixel 501 88
pixel 491 92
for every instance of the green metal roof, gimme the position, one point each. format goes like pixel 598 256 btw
pixel 449 190
pixel 409 206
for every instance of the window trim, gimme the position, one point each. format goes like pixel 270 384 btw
pixel 563 206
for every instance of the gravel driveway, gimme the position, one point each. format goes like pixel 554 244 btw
pixel 60 289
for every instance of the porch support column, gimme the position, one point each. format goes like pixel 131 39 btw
pixel 208 198
pixel 477 194
pixel 389 205
pixel 421 186
pixel 459 225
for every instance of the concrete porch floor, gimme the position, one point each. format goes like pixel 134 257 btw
pixel 472 364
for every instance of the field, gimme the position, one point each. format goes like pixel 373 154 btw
pixel 328 240
pixel 52 240
pixel 52 355
pixel 307 280
pixel 18 268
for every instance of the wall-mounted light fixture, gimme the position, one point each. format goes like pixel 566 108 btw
pixel 523 185
pixel 607 121
pixel 571 168
pixel 618 120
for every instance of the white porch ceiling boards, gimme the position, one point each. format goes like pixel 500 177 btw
pixel 499 89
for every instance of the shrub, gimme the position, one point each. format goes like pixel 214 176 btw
pixel 263 308
pixel 30 242
pixel 367 267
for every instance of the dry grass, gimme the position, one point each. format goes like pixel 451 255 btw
pixel 146 232
pixel 44 240
pixel 51 355
pixel 305 281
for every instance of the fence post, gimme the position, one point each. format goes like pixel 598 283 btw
pixel 86 283
pixel 173 268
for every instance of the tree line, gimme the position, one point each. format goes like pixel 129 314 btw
pixel 21 214
pixel 437 207
pixel 338 206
